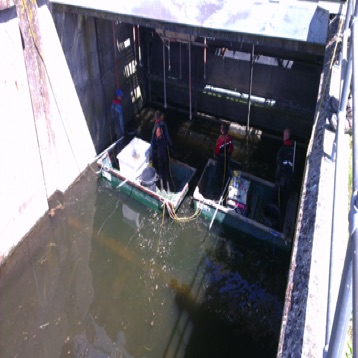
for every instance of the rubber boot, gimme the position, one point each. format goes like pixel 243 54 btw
pixel 168 188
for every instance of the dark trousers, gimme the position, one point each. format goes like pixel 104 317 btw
pixel 162 167
pixel 223 170
pixel 282 195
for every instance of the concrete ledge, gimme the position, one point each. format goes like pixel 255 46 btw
pixel 304 321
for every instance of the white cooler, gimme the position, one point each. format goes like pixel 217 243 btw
pixel 134 158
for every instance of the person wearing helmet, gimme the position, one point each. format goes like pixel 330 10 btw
pixel 159 150
pixel 117 114
pixel 223 150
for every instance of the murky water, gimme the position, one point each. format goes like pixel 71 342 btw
pixel 103 276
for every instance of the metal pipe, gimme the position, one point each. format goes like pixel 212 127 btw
pixel 139 48
pixel 190 110
pixel 180 69
pixel 336 337
pixel 250 87
pixel 115 52
pixel 341 115
pixel 354 36
pixel 204 58
pixel 169 65
pixel 148 68
pixel 335 226
pixel 164 78
pixel 344 303
pixel 134 46
pixel 355 295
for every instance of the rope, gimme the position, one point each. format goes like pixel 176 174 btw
pixel 174 216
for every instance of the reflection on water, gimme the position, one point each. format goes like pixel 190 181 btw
pixel 105 277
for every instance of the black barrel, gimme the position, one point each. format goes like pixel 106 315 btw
pixel 149 177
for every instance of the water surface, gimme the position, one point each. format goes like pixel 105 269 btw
pixel 104 276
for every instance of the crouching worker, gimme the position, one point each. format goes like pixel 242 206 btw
pixel 159 150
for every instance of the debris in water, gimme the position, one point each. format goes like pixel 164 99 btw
pixel 44 325
pixel 152 323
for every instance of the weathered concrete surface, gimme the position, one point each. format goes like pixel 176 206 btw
pixel 100 56
pixel 296 20
pixel 45 152
pixel 22 190
pixel 304 321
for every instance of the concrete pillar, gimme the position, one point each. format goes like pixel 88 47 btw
pixel 43 130
pixel 22 187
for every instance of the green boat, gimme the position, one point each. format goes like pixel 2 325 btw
pixel 245 205
pixel 127 168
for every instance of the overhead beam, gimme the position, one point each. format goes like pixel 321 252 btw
pixel 296 26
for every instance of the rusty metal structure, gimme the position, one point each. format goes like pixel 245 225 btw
pixel 257 64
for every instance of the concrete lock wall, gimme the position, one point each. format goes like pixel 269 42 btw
pixel 101 58
pixel 44 139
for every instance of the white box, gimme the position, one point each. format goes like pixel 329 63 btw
pixel 134 158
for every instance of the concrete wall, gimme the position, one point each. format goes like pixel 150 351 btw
pixel 287 84
pixel 44 138
pixel 101 57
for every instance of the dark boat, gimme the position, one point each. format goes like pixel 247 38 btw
pixel 127 169
pixel 246 204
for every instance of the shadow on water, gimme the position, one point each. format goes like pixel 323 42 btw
pixel 104 277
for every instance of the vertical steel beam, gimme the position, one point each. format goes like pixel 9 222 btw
pixel 164 77
pixel 180 64
pixel 335 229
pixel 149 55
pixel 204 58
pixel 134 45
pixel 336 337
pixel 252 60
pixel 169 64
pixel 190 109
pixel 139 48
pixel 354 38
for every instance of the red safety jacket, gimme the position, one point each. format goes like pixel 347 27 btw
pixel 224 142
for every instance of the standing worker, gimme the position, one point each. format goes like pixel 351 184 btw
pixel 223 151
pixel 285 167
pixel 117 114
pixel 159 149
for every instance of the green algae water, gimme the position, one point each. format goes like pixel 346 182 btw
pixel 103 276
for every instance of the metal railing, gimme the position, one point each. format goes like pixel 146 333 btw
pixel 336 331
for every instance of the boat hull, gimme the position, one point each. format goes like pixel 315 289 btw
pixel 229 218
pixel 154 199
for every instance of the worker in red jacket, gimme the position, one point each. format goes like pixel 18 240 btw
pixel 223 151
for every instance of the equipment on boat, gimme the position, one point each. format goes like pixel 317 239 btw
pixel 219 203
pixel 238 194
pixel 149 178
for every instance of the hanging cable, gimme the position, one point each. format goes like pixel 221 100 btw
pixel 174 216
pixel 115 53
